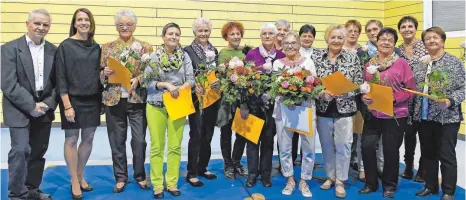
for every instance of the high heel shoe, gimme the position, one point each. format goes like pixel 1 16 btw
pixel 75 197
pixel 86 189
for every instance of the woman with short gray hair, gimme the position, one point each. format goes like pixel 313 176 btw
pixel 283 27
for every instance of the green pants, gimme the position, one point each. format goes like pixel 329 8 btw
pixel 158 122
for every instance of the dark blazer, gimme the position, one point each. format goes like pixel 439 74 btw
pixel 18 83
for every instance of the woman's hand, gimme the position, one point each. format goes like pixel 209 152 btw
pixel 134 84
pixel 108 71
pixel 367 100
pixel 244 113
pixel 69 114
pixel 444 103
pixel 199 90
pixel 172 89
pixel 327 96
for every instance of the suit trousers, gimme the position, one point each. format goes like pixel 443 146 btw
pixel 117 118
pixel 391 131
pixel 201 131
pixel 26 157
pixel 441 141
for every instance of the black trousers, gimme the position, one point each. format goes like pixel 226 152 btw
pixel 26 157
pixel 200 135
pixel 231 158
pixel 260 155
pixel 117 118
pixel 391 131
pixel 294 148
pixel 410 145
pixel 441 142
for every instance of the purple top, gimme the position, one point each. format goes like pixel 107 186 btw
pixel 398 76
pixel 255 55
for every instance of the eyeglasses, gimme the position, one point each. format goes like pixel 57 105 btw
pixel 290 44
pixel 353 32
pixel 125 26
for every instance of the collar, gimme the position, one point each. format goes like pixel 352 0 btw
pixel 340 55
pixel 128 43
pixel 29 41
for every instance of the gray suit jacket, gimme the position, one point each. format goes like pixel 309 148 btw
pixel 18 83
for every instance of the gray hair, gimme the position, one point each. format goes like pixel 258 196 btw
pixel 41 11
pixel 202 21
pixel 289 34
pixel 269 26
pixel 283 22
pixel 126 12
pixel 335 27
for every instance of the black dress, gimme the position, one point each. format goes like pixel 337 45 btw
pixel 77 65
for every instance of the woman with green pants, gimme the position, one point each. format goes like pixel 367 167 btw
pixel 170 70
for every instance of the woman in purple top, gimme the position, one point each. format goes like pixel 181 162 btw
pixel 263 57
pixel 396 73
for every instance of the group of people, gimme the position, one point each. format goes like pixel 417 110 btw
pixel 37 76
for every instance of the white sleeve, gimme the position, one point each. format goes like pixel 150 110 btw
pixel 277 66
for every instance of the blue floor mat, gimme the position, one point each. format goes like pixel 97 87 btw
pixel 56 182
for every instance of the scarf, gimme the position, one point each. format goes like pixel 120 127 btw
pixel 268 57
pixel 386 63
pixel 168 63
pixel 371 49
pixel 199 50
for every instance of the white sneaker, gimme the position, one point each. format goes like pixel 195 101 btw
pixel 288 189
pixel 304 188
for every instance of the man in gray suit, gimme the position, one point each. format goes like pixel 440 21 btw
pixel 29 101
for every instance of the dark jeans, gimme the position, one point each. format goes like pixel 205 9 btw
pixel 440 142
pixel 200 135
pixel 117 118
pixel 391 132
pixel 262 164
pixel 231 159
pixel 410 145
pixel 26 157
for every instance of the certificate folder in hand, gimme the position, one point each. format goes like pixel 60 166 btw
pixel 121 76
pixel 297 120
pixel 250 128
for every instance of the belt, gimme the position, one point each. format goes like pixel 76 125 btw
pixel 158 104
pixel 39 93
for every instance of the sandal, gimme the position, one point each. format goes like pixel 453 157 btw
pixel 340 185
pixel 327 184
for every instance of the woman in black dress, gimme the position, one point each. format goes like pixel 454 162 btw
pixel 77 63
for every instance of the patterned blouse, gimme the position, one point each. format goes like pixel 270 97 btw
pixel 454 90
pixel 113 92
pixel 419 50
pixel 347 63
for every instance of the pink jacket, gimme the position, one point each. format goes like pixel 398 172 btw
pixel 398 76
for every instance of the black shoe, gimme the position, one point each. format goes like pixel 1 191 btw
pixel 209 176
pixel 86 189
pixel 366 190
pixel 388 194
pixel 354 166
pixel 75 197
pixel 266 182
pixel 144 186
pixel 229 173
pixel 447 197
pixel 408 173
pixel 159 195
pixel 426 192
pixel 251 182
pixel 195 184
pixel 241 171
pixel 37 194
pixel 419 177
pixel 119 190
pixel 174 192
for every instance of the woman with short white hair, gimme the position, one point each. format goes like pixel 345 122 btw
pixel 201 124
pixel 283 27
pixel 335 112
pixel 123 105
pixel 263 57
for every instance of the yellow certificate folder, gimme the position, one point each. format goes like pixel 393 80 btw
pixel 121 76
pixel 298 120
pixel 249 128
pixel 181 106
pixel 210 95
pixel 382 99
pixel 337 84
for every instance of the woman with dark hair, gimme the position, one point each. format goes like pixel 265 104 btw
pixel 412 50
pixel 439 120
pixel 174 71
pixel 395 73
pixel 77 63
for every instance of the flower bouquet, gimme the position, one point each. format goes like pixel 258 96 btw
pixel 236 83
pixel 296 86
pixel 203 77
pixel 437 80
pixel 130 55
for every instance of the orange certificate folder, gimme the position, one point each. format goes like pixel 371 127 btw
pixel 249 128
pixel 337 84
pixel 121 76
pixel 181 106
pixel 382 99
pixel 210 95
